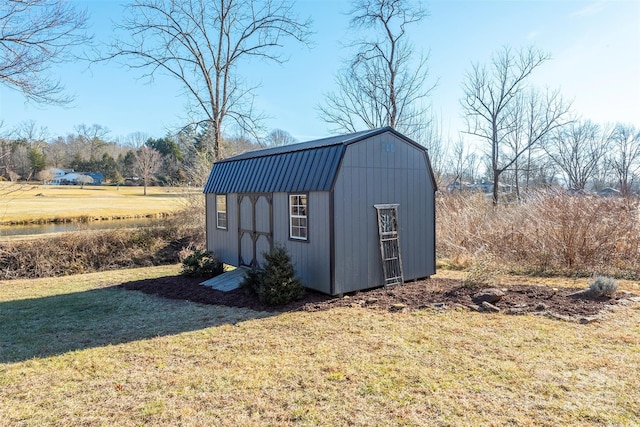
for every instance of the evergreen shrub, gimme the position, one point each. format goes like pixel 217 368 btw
pixel 201 263
pixel 603 286
pixel 276 284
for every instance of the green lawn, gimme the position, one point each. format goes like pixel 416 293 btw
pixel 41 203
pixel 79 351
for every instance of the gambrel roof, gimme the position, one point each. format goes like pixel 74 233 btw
pixel 302 167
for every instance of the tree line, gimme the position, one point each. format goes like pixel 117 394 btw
pixel 28 153
pixel 580 156
pixel 516 134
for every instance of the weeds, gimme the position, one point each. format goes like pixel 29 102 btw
pixel 482 272
pixel 546 233
pixel 83 252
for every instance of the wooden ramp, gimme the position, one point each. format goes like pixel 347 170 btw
pixel 227 281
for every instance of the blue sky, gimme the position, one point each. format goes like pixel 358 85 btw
pixel 595 46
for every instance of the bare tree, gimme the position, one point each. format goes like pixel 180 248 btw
pixel 29 132
pixel 603 177
pixel 92 138
pixel 147 163
pixel 203 43
pixel 497 106
pixel 578 150
pixel 83 179
pixel 384 84
pixel 34 36
pixel 46 175
pixel 20 161
pixel 235 145
pixel 462 164
pixel 437 148
pixel 625 156
pixel 57 152
pixel 12 187
pixel 539 170
pixel 533 116
pixel 278 137
pixel 6 164
pixel 137 139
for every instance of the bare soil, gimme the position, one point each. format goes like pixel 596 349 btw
pixel 434 293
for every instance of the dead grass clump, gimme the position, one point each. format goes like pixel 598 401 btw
pixel 547 233
pixel 482 272
pixel 462 224
pixel 190 221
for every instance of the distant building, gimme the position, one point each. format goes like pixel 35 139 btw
pixel 56 175
pixel 609 192
pixel 69 177
pixel 481 187
pixel 97 177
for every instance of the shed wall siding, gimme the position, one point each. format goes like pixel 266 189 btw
pixel 311 258
pixel 224 243
pixel 382 169
pixel 246 212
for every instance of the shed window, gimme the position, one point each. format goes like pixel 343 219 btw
pixel 298 216
pixel 221 211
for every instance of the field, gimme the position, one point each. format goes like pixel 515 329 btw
pixel 80 351
pixel 44 203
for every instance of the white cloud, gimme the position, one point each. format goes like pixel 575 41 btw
pixel 590 9
pixel 533 35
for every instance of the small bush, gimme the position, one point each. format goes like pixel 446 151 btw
pixel 252 280
pixel 603 286
pixel 277 284
pixel 201 263
pixel 482 273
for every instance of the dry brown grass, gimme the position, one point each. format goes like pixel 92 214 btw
pixel 49 203
pixel 548 233
pixel 74 353
pixel 98 250
pixel 84 251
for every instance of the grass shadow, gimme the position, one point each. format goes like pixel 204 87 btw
pixel 53 325
pixel 165 195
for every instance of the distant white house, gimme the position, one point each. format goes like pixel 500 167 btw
pixel 69 177
pixel 609 192
pixel 57 174
pixel 482 186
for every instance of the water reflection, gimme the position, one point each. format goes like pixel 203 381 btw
pixel 35 229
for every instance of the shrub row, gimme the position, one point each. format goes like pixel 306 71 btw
pixel 89 251
pixel 546 233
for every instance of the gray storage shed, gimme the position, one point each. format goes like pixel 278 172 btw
pixel 354 211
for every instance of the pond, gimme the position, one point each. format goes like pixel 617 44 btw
pixel 36 229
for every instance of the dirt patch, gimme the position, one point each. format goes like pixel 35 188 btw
pixel 436 293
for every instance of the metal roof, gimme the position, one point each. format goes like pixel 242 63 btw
pixel 306 166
